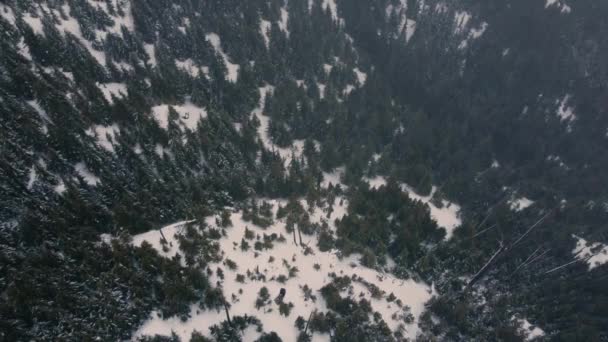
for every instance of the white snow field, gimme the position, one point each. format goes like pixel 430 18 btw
pixel 411 293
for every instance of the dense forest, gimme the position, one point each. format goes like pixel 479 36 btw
pixel 119 117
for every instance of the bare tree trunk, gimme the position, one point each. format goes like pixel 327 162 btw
pixel 308 321
pixel 300 235
pixel 227 312
pixel 163 236
pixel 504 251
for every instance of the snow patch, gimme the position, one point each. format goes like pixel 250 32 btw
pixel 264 30
pixel 233 69
pixel 594 254
pixel 283 21
pixel 519 204
pixel 8 14
pixel 154 238
pixel 461 19
pixel 361 76
pixel 88 176
pixel 189 115
pixel 529 331
pixel 565 112
pixel 35 23
pixel 150 51
pixel 32 177
pixel 190 67
pixel 447 217
pixel 42 113
pixel 105 135
pixel 118 90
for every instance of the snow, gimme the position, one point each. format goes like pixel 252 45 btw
pixel 565 112
pixel 327 68
pixel 118 90
pixel 333 9
pixel 409 292
pixel 124 66
pixel 105 135
pixel 8 14
pixel 43 115
pixel 519 204
pixel 321 90
pixel 461 18
pixel 264 30
pixel 88 176
pixel 333 178
pixel 154 238
pixel 24 49
pixel 283 21
pixel 495 164
pixel 34 22
pixel 564 8
pixel 189 115
pixel 441 8
pixel 530 331
pixel 447 217
pixel 137 149
pixel 375 182
pixel 70 25
pixel 594 254
pixel 474 33
pixel 410 29
pixel 286 153
pixel 32 177
pixel 161 151
pixel 188 66
pixel 349 89
pixel 233 69
pixel 361 76
pixel 119 21
pixel 151 54
pixel 60 188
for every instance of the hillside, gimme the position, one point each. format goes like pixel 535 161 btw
pixel 404 169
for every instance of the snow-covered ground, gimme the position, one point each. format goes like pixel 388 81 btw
pixel 519 204
pixel 86 174
pixel 313 271
pixel 189 115
pixel 109 90
pixel 105 135
pixel 594 254
pixel 529 331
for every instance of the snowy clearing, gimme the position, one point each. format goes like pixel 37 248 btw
pixel 189 115
pixel 243 294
